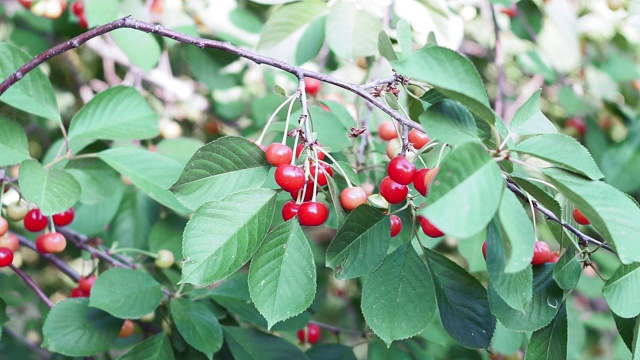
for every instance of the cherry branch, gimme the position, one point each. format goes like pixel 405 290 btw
pixel 584 238
pixel 337 330
pixel 44 354
pixel 131 23
pixel 81 241
pixel 63 266
pixel 32 284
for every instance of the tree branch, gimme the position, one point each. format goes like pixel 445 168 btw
pixel 80 241
pixel 32 284
pixel 131 23
pixel 44 354
pixel 584 238
pixel 63 266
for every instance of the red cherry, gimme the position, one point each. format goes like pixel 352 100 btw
pixel 310 334
pixel 64 218
pixel 4 226
pixel 428 228
pixel 10 241
pixel 312 213
pixel 510 12
pixel 78 8
pixel 352 197
pixel 312 86
pixel 289 177
pixel 290 210
pixel 301 147
pixel 127 329
pixel 278 154
pixel 393 192
pixel 541 253
pixel 322 177
pixel 308 193
pixel 6 257
pixel 86 283
pixel 387 130
pixel 579 217
pixel 34 221
pixel 484 249
pixel 396 225
pixel 76 292
pixel 419 181
pixel 418 138
pixel 555 256
pixel 577 124
pixel 26 3
pixel 51 243
pixel 401 170
pixel 82 22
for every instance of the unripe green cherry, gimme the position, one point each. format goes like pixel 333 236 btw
pixel 165 259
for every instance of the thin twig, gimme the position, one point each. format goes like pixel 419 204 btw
pixel 63 266
pixel 32 284
pixel 131 23
pixel 499 61
pixel 584 238
pixel 337 330
pixel 44 354
pixel 80 241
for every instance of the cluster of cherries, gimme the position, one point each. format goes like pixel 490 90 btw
pixel 541 250
pixel 34 221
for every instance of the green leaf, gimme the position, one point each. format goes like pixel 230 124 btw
pixel 621 162
pixel 636 339
pixel 52 190
pixel 100 12
pixel 352 31
pixel 220 168
pixel 361 244
pixel 282 277
pixel 573 157
pixel 626 328
pixel 392 292
pixel 223 235
pixel 449 122
pixel 198 325
pixel 157 347
pixel 118 113
pixel 470 179
pixel 529 120
pixel 331 351
pixel 310 42
pixel 334 192
pixel 385 47
pixel 568 270
pixel 3 315
pixel 535 191
pixel 179 149
pixel 621 291
pixel 462 301
pixel 14 146
pixel 73 328
pixel 126 293
pixel 451 74
pixel 131 225
pixel 532 20
pixel 547 298
pixel 151 172
pixel 142 49
pixel 514 288
pixel 332 132
pixel 287 20
pixel 518 229
pixel 252 344
pixel 611 212
pixel 405 37
pixel 550 342
pixel 33 93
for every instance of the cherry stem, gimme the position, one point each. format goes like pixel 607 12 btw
pixel 315 175
pixel 344 174
pixel 273 116
pixel 584 238
pixel 61 265
pixel 32 284
pixel 304 115
pixel 286 124
pixel 133 250
pixel 444 146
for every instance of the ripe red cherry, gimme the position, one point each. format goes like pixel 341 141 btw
pixel 312 213
pixel 308 193
pixel 396 225
pixel 278 154
pixel 51 243
pixel 418 138
pixel 34 221
pixel 86 283
pixel 4 226
pixel 419 181
pixel 290 210
pixel 428 228
pixel 64 218
pixel 577 124
pixel 387 130
pixel 555 256
pixel 6 257
pixel 579 217
pixel 289 177
pixel 401 170
pixel 10 241
pixel 309 334
pixel 300 147
pixel 484 249
pixel 78 8
pixel 82 21
pixel 76 292
pixel 393 192
pixel 322 177
pixel 541 253
pixel 510 12
pixel 312 86
pixel 127 329
pixel 26 3
pixel 352 197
